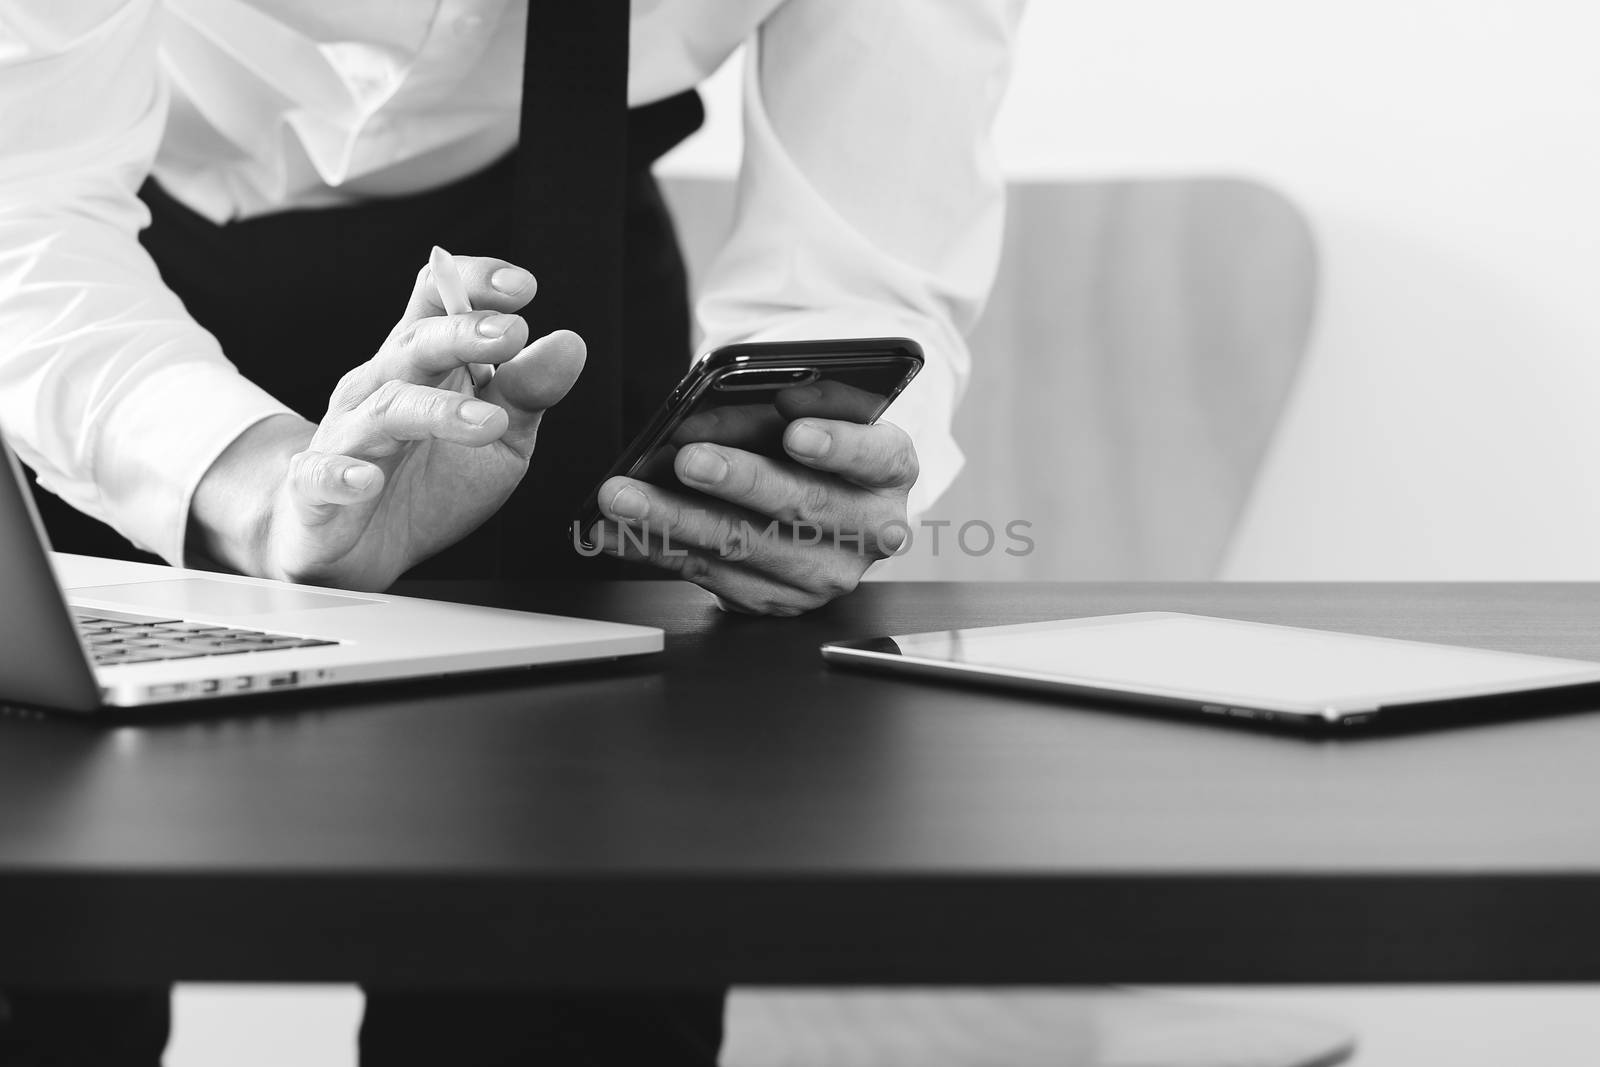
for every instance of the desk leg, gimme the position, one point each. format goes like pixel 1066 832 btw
pixel 548 1028
pixel 84 1028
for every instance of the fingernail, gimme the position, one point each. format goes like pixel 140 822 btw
pixel 806 394
pixel 705 466
pixel 494 325
pixel 806 440
pixel 629 503
pixel 358 477
pixel 511 280
pixel 476 412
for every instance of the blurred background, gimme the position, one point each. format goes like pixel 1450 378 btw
pixel 1292 291
pixel 1444 158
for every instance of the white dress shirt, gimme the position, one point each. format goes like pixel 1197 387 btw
pixel 870 201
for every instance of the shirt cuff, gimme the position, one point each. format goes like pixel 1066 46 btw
pixel 161 438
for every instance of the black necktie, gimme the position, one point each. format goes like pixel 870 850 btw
pixel 571 190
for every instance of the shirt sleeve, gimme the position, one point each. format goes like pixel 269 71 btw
pixel 870 201
pixel 109 390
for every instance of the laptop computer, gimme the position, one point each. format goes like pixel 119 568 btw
pixel 80 634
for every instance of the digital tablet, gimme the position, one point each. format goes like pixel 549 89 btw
pixel 1224 668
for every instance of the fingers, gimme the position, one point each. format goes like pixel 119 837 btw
pixel 377 422
pixel 334 473
pixel 427 349
pixel 736 586
pixel 321 483
pixel 794 496
pixel 536 379
pixel 491 284
pixel 880 456
pixel 768 536
pixel 427 343
pixel 398 412
pixel 822 563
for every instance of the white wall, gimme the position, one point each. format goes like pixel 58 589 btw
pixel 1448 155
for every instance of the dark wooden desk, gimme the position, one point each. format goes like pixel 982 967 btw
pixel 733 810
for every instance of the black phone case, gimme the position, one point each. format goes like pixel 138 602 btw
pixel 745 395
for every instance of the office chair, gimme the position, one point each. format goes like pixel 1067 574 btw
pixel 1128 374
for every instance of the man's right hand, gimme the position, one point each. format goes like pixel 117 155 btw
pixel 410 457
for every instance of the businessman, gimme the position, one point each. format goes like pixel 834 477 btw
pixel 217 343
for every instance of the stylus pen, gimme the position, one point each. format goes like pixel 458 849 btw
pixel 453 295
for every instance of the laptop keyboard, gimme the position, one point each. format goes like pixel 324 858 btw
pixel 114 637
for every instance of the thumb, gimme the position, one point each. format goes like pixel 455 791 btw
pixel 535 379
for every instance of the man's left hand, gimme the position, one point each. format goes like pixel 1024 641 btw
pixel 772 536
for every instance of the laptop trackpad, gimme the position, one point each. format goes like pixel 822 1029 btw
pixel 182 597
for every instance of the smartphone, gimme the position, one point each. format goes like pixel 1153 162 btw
pixel 743 396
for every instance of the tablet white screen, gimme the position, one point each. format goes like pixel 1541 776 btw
pixel 1242 662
